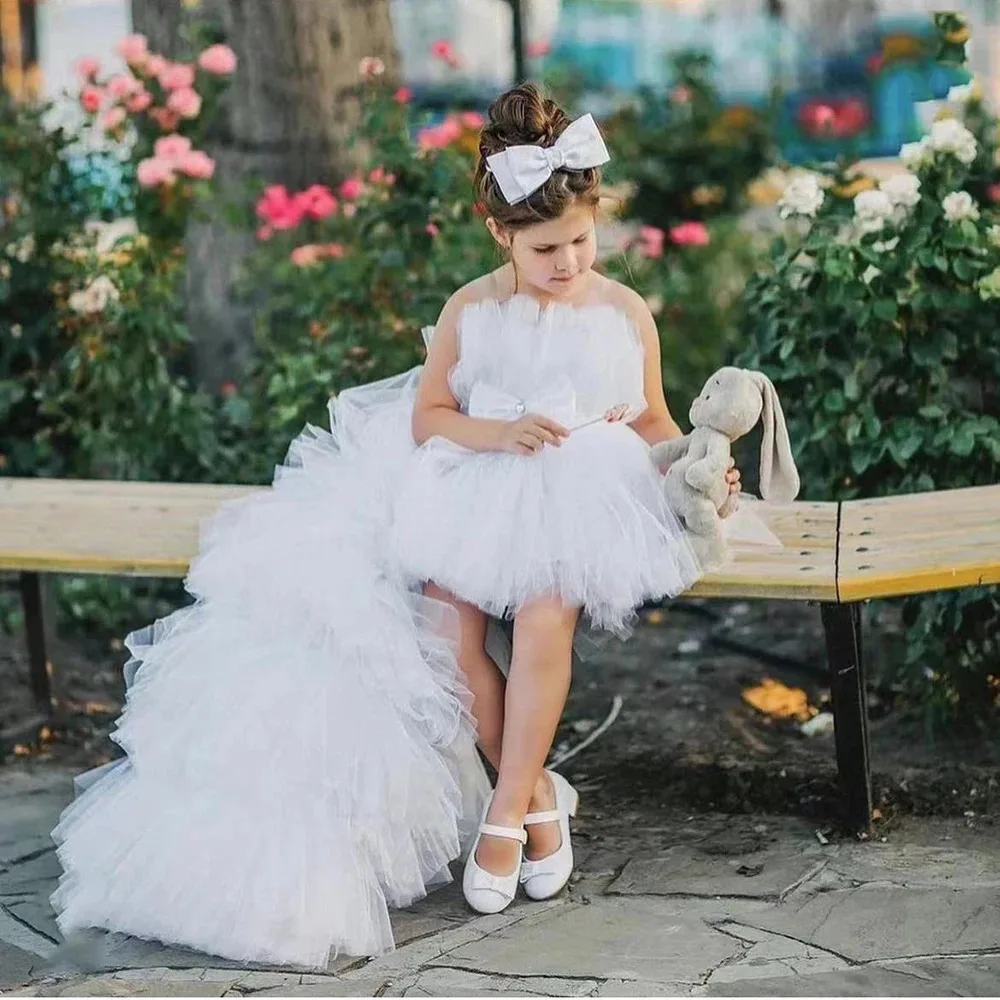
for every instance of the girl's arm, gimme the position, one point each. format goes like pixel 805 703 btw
pixel 435 410
pixel 655 423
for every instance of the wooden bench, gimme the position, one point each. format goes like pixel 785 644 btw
pixel 835 554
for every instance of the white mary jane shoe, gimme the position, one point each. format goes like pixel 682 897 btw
pixel 545 877
pixel 484 891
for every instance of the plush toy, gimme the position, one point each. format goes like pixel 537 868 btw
pixel 695 465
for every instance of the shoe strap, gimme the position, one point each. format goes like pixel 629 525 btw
pixel 510 832
pixel 552 816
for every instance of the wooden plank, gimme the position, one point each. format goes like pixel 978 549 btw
pixel 151 529
pixel 133 529
pixel 919 542
pixel 803 570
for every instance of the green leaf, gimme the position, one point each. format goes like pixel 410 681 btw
pixel 886 309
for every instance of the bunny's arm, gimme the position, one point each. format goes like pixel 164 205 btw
pixel 708 474
pixel 667 452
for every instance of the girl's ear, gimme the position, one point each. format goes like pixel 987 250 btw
pixel 500 235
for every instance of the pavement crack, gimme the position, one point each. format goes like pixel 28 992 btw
pixel 30 856
pixel 804 941
pixel 28 926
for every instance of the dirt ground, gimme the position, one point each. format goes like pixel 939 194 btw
pixel 683 733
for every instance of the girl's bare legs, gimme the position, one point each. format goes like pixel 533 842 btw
pixel 488 685
pixel 534 701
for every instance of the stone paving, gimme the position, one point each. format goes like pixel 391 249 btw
pixel 662 905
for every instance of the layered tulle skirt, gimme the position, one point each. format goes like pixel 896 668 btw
pixel 300 746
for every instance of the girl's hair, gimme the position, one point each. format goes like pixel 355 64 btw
pixel 524 116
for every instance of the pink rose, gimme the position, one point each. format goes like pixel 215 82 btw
pixel 133 49
pixel 228 389
pixel 318 201
pixel 651 241
pixel 431 229
pixel 349 210
pixel 167 120
pixel 264 233
pixel 153 172
pixel 351 188
pixel 139 102
pixel 403 95
pixel 172 147
pixel 123 85
pixel 681 94
pixel 690 234
pixel 176 76
pixel 370 67
pixel 87 68
pixel 112 119
pixel 154 65
pixel 196 164
pixel 444 51
pixel 279 209
pixel 993 192
pixel 439 136
pixel 91 99
pixel 306 255
pixel 334 250
pixel 219 60
pixel 537 50
pixel 471 120
pixel 185 102
pixel 380 176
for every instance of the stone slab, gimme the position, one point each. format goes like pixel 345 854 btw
pixel 108 986
pixel 976 976
pixel 640 988
pixel 917 866
pixel 16 965
pixel 611 938
pixel 875 923
pixel 444 982
pixel 366 987
pixel 38 874
pixel 37 914
pixel 686 870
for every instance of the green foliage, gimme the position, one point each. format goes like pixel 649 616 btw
pixel 879 329
pixel 686 154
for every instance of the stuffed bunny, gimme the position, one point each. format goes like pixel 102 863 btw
pixel 695 465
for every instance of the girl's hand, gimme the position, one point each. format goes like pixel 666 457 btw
pixel 617 413
pixel 528 434
pixel 733 476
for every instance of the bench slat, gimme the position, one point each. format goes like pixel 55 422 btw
pixel 152 529
pixel 919 542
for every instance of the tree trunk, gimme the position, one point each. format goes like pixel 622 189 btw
pixel 290 110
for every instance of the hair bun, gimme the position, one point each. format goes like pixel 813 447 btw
pixel 523 116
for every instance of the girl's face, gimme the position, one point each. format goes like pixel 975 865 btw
pixel 553 258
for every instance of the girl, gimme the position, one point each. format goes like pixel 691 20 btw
pixel 301 740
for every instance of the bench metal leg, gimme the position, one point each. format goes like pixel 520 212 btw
pixel 842 625
pixel 38 628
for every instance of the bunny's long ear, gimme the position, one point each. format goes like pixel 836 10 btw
pixel 779 479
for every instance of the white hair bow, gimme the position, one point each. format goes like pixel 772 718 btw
pixel 522 170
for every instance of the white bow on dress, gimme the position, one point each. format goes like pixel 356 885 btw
pixel 522 170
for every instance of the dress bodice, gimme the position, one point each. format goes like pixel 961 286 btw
pixel 570 363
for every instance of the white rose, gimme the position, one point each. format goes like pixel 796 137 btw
pixel 871 273
pixel 871 210
pixel 951 136
pixel 803 196
pixel 95 297
pixel 801 271
pixel 23 250
pixel 958 206
pixel 109 233
pixel 902 189
pixel 884 246
pixel 994 235
pixel 961 94
pixel 914 154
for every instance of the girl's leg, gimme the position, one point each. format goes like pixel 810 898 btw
pixel 482 675
pixel 487 684
pixel 535 697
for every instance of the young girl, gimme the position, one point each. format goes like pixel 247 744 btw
pixel 301 741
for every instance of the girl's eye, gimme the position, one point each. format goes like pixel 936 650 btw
pixel 582 239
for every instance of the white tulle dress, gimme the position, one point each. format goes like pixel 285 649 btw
pixel 300 748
